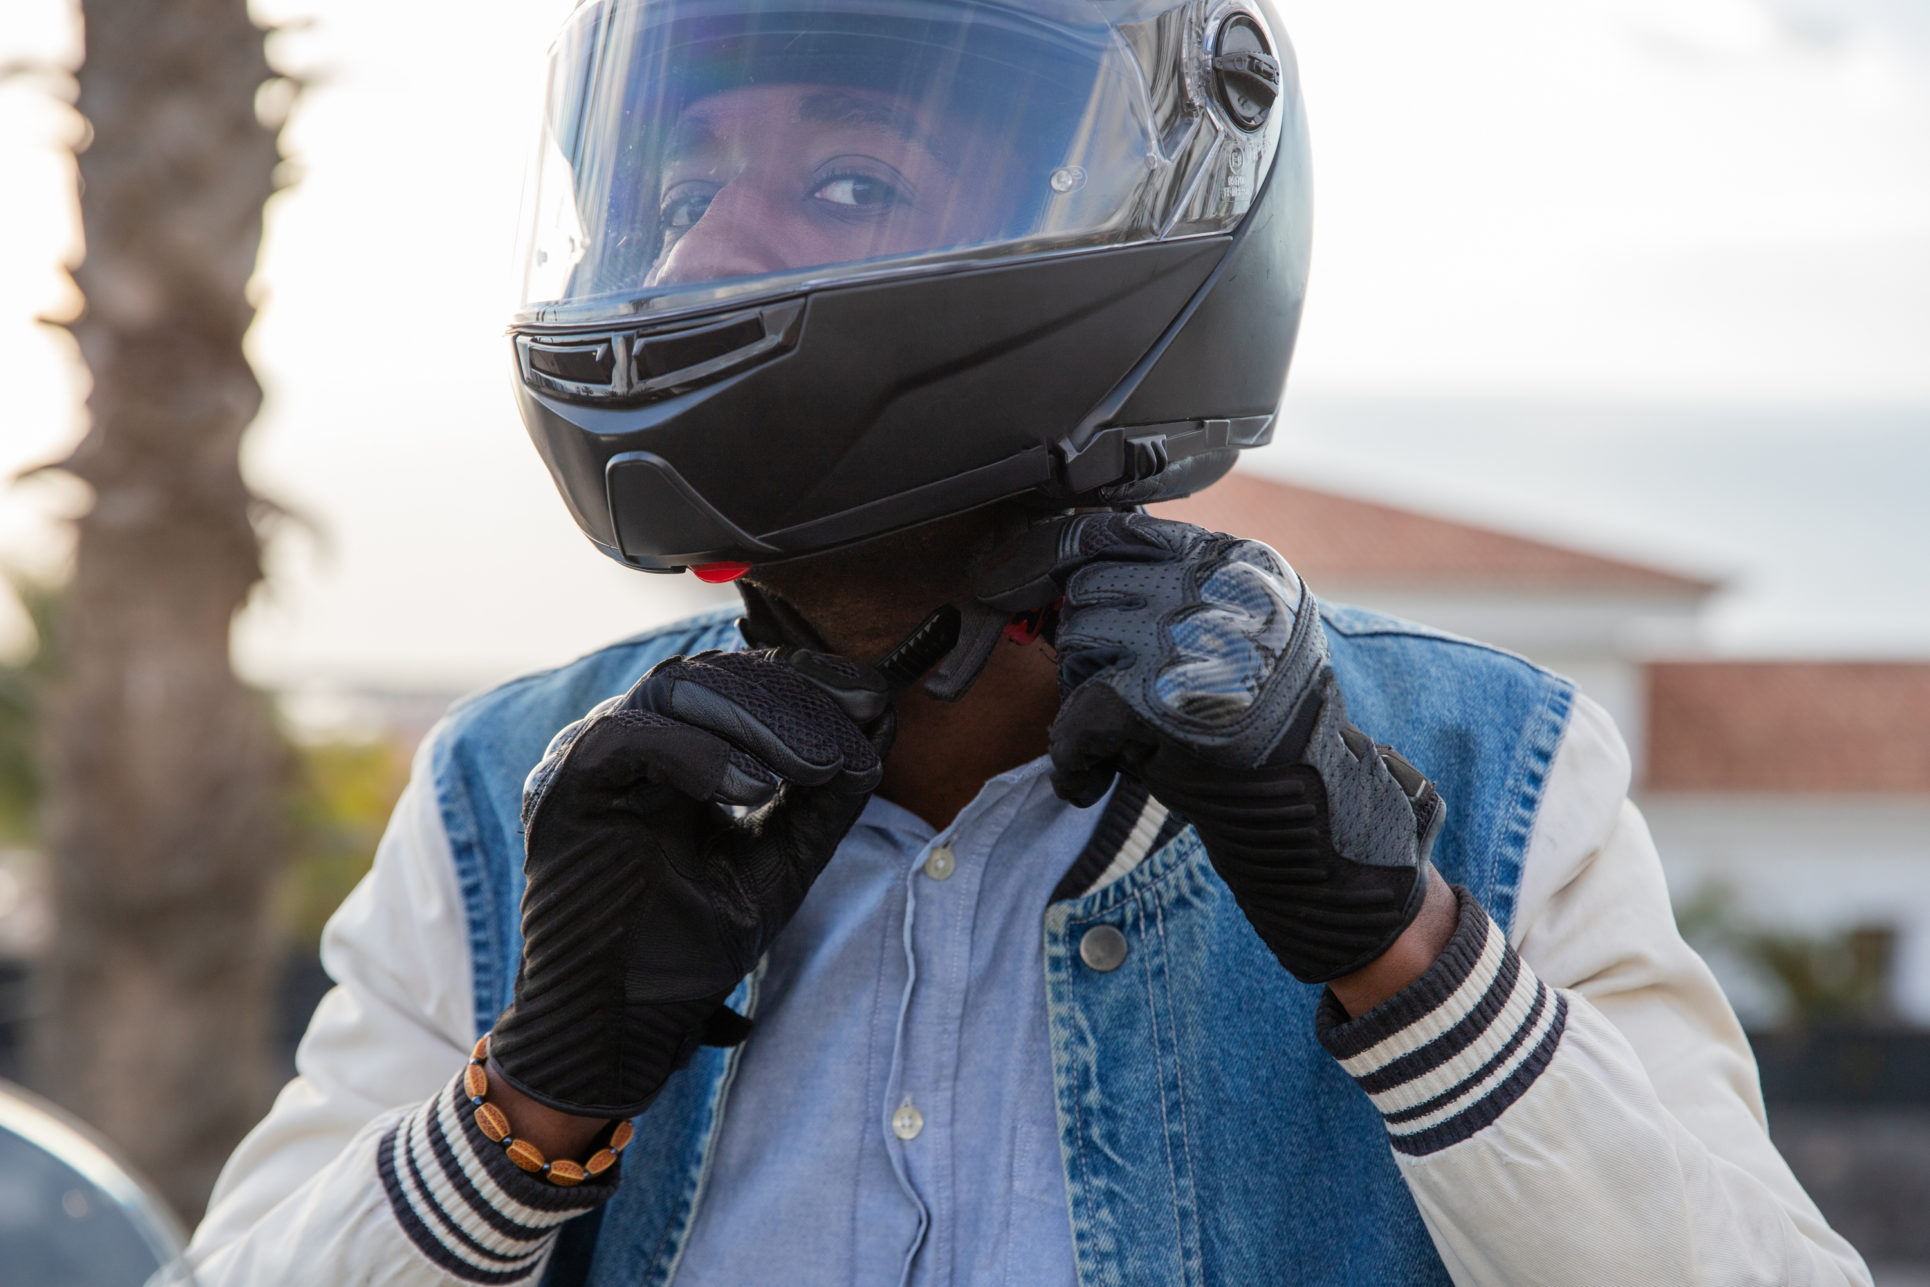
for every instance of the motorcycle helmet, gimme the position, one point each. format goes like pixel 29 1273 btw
pixel 798 273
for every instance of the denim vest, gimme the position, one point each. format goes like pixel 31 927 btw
pixel 1208 1139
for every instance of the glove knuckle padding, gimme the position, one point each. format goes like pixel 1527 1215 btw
pixel 1197 662
pixel 1216 644
pixel 858 691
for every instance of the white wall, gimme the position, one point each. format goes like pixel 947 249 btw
pixel 1533 621
pixel 1814 865
pixel 1598 640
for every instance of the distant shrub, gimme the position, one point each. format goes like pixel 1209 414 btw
pixel 23 685
pixel 1806 979
pixel 340 799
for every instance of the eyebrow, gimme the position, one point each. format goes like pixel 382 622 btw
pixel 832 107
pixel 693 135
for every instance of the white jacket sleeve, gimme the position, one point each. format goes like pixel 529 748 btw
pixel 1580 1106
pixel 369 1167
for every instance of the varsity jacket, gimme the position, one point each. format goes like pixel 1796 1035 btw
pixel 1564 1098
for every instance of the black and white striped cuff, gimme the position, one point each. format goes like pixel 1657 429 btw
pixel 1446 1056
pixel 464 1204
pixel 1131 828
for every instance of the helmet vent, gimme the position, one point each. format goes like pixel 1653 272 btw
pixel 661 355
pixel 636 366
pixel 578 364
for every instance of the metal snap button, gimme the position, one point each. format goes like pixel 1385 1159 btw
pixel 1103 948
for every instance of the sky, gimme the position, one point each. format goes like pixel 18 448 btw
pixel 1650 276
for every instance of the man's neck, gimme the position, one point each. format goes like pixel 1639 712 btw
pixel 946 751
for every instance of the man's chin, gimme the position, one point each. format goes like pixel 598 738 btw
pixel 865 598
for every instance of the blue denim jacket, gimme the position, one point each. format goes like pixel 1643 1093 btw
pixel 1208 1139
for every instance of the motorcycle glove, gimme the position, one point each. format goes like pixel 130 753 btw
pixel 1196 663
pixel 669 836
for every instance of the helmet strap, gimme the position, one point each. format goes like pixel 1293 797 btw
pixel 771 622
pixel 952 644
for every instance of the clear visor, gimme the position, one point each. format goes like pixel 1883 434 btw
pixel 698 151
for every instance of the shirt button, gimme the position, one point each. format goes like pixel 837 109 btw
pixel 941 864
pixel 1103 948
pixel 907 1122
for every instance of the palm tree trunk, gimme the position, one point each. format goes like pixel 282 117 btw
pixel 163 771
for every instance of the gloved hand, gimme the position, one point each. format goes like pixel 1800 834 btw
pixel 1196 663
pixel 670 834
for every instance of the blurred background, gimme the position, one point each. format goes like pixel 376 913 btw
pixel 1615 355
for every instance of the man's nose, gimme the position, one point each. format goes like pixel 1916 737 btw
pixel 740 234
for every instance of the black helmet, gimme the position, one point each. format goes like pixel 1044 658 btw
pixel 797 273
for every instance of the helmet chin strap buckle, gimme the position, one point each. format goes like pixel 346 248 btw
pixel 979 630
pixel 953 645
pixel 982 625
pixel 770 622
pixel 948 649
pixel 935 637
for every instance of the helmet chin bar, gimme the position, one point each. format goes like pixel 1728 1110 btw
pixel 654 509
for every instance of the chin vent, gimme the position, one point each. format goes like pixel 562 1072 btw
pixel 642 364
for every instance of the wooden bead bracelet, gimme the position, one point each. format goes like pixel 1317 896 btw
pixel 495 1124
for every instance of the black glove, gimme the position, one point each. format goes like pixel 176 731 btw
pixel 670 835
pixel 1196 663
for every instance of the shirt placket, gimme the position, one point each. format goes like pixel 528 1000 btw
pixel 941 899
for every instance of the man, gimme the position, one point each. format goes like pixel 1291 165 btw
pixel 1028 891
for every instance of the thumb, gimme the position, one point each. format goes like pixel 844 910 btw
pixel 1095 736
pixel 778 852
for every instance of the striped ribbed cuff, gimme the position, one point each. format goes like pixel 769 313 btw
pixel 1447 1055
pixel 468 1208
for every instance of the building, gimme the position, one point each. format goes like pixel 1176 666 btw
pixel 1796 795
pixel 1802 789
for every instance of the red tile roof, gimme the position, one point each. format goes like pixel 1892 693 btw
pixel 1338 539
pixel 1789 726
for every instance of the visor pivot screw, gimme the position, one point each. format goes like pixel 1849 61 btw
pixel 1246 74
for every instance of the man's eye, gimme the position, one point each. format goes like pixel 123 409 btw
pixel 683 208
pixel 858 192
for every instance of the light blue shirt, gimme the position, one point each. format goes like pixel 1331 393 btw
pixel 892 1119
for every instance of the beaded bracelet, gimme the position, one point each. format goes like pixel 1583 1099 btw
pixel 495 1124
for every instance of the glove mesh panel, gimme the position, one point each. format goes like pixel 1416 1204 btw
pixel 785 702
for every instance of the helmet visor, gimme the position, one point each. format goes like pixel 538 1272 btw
pixel 701 151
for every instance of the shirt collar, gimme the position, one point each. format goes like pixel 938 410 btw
pixel 887 816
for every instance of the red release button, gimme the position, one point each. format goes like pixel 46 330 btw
pixel 718 573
